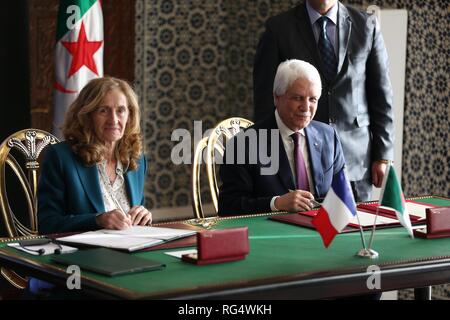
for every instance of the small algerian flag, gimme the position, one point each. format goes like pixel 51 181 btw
pixel 78 54
pixel 392 196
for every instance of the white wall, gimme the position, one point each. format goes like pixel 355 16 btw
pixel 394 28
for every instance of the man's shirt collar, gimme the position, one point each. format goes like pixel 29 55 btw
pixel 314 15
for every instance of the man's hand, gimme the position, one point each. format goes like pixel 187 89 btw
pixel 295 201
pixel 140 216
pixel 114 219
pixel 378 170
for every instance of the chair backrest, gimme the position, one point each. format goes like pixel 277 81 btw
pixel 29 143
pixel 22 147
pixel 215 142
pixel 196 179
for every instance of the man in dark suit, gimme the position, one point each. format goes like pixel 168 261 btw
pixel 347 48
pixel 304 154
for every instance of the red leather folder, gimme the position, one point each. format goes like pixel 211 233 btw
pixel 217 246
pixel 304 219
pixel 438 224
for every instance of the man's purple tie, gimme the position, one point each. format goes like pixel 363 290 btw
pixel 300 167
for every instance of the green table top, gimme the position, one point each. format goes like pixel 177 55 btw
pixel 277 250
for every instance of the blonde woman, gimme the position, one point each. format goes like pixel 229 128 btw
pixel 95 178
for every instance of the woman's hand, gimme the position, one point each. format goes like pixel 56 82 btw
pixel 140 216
pixel 114 219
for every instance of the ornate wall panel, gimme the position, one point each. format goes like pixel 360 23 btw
pixel 42 34
pixel 118 24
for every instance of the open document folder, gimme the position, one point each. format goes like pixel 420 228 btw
pixel 131 239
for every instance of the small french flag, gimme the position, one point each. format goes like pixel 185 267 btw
pixel 337 209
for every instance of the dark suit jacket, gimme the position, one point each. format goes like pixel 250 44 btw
pixel 357 103
pixel 244 190
pixel 69 194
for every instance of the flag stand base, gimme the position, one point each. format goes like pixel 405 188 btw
pixel 368 253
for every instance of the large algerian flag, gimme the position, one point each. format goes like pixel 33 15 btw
pixel 392 196
pixel 79 53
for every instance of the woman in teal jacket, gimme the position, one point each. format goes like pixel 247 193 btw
pixel 95 178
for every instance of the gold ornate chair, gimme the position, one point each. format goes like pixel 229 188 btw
pixel 214 143
pixel 22 147
pixel 196 178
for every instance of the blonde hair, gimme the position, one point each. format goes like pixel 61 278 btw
pixel 78 127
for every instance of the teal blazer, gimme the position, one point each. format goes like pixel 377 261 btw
pixel 69 194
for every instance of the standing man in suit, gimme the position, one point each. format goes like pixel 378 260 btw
pixel 347 48
pixel 306 153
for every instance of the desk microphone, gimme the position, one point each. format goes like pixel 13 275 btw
pixel 26 244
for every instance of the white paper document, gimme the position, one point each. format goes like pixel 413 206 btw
pixel 417 209
pixel 178 254
pixel 150 232
pixel 367 219
pixel 413 208
pixel 131 239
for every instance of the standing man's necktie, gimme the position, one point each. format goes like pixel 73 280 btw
pixel 300 167
pixel 326 50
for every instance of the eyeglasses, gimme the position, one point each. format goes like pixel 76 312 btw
pixel 26 244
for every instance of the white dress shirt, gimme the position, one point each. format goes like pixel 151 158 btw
pixel 114 195
pixel 288 143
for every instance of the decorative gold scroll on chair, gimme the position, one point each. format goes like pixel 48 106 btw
pixel 215 142
pixel 22 147
pixel 196 179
